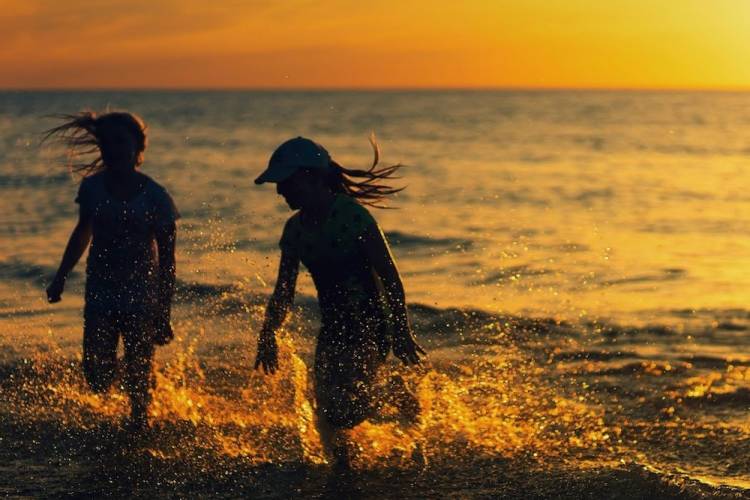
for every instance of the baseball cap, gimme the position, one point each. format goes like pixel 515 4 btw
pixel 293 155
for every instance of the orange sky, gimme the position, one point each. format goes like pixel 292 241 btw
pixel 378 43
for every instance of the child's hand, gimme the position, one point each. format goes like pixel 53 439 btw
pixel 406 349
pixel 163 333
pixel 55 290
pixel 268 353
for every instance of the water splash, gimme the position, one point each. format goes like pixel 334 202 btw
pixel 488 404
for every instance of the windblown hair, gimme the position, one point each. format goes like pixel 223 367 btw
pixel 82 133
pixel 371 190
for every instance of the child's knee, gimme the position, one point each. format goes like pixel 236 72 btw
pixel 345 409
pixel 139 351
pixel 99 375
pixel 341 419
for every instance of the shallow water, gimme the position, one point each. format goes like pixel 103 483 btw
pixel 574 263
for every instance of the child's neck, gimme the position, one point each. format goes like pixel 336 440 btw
pixel 124 185
pixel 317 212
pixel 123 175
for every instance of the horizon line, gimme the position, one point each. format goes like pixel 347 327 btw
pixel 508 88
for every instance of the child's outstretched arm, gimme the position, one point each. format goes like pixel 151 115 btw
pixel 278 307
pixel 373 243
pixel 77 243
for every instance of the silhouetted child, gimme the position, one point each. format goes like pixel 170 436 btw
pixel 359 288
pixel 129 220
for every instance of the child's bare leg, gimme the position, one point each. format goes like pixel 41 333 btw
pixel 100 336
pixel 139 352
pixel 345 394
pixel 334 443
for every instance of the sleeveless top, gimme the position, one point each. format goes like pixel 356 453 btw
pixel 349 291
pixel 122 266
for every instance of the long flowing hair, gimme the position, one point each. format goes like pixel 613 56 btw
pixel 370 190
pixel 82 133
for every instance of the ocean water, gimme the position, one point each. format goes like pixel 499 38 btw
pixel 576 263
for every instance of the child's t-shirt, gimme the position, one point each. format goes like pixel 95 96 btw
pixel 122 266
pixel 348 287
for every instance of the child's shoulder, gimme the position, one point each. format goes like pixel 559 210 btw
pixel 91 183
pixel 90 180
pixel 348 207
pixel 293 220
pixel 155 190
pixel 151 182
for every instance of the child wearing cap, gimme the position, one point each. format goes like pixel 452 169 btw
pixel 361 296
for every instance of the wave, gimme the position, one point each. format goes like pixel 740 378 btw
pixel 15 269
pixel 589 355
pixel 668 274
pixel 697 226
pixel 395 239
pixel 713 362
pixel 34 181
pixel 728 314
pixel 511 272
pixel 406 240
pixel 641 368
pixel 731 326
pixel 591 195
pixel 736 398
pixel 228 298
pixel 614 330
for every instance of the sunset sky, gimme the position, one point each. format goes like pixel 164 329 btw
pixel 374 44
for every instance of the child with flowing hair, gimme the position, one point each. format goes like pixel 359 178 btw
pixel 360 292
pixel 127 220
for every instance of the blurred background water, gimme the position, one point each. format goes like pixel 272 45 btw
pixel 548 203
